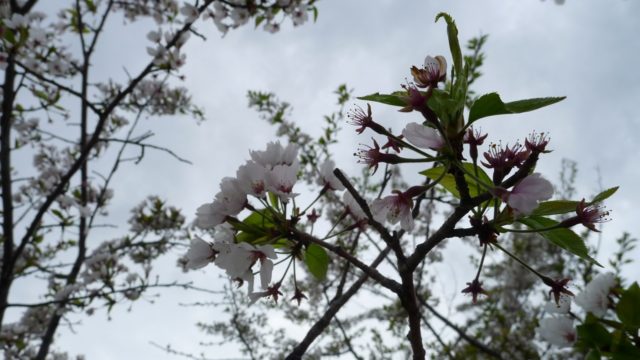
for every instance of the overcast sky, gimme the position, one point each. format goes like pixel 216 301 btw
pixel 586 50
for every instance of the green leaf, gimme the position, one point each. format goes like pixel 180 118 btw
pixel 628 308
pixel 273 200
pixel 259 19
pixel 443 105
pixel 255 227
pixel 564 238
pixel 604 195
pixel 449 182
pixel 315 13
pixel 491 104
pixel 555 207
pixel 454 45
pixel 593 335
pixel 389 99
pixel 317 261
pixel 91 5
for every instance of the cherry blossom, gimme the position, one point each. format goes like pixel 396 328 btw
pixel 595 297
pixel 200 254
pixel 281 180
pixel 353 207
pixel 558 331
pixel 252 178
pixel 275 154
pixel 527 193
pixel 327 178
pixel 434 71
pixel 423 136
pixel 394 208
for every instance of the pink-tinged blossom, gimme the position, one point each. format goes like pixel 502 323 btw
pixel 281 180
pixel 394 208
pixel 423 136
pixel 353 207
pixel 372 156
pixel 588 215
pixel 327 177
pixel 200 254
pixel 358 117
pixel 414 99
pixel 527 193
pixel 275 154
pixel 595 297
pixel 252 178
pixel 475 138
pixel 537 142
pixel 434 71
pixel 503 160
pixel 558 331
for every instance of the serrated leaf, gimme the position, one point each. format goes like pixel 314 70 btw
pixel 317 261
pixel 389 99
pixel 605 194
pixel 564 238
pixel 491 104
pixel 628 308
pixel 449 182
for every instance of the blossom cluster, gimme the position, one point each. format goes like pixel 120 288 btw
pixel 269 178
pixel 559 330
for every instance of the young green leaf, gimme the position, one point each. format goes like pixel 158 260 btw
pixel 491 104
pixel 604 195
pixel 555 207
pixel 565 238
pixel 317 261
pixel 389 99
pixel 454 45
pixel 628 308
pixel 449 183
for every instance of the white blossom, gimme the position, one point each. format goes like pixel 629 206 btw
pixel 353 207
pixel 299 16
pixel 595 297
pixel 252 178
pixel 200 254
pixel 394 208
pixel 275 154
pixel 327 177
pixel 558 331
pixel 423 136
pixel 190 13
pixel 281 180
